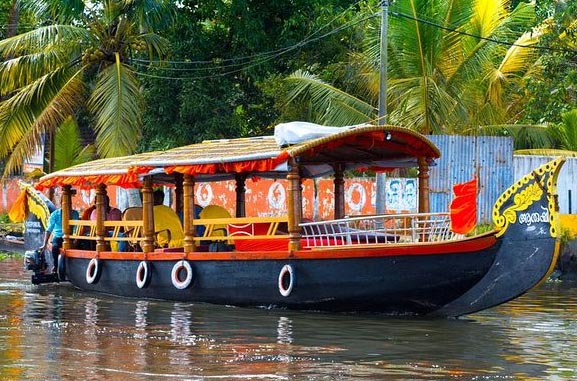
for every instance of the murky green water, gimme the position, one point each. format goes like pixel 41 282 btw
pixel 55 332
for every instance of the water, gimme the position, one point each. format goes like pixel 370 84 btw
pixel 53 332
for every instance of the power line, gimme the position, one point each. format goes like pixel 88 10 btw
pixel 265 56
pixel 454 30
pixel 262 57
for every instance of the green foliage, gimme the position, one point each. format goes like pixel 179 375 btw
pixel 70 150
pixel 4 219
pixel 227 58
pixel 551 92
pixel 445 73
pixel 78 58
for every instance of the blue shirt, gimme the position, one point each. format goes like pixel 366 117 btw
pixel 55 223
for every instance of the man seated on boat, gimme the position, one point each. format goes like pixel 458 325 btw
pixel 169 232
pixel 111 214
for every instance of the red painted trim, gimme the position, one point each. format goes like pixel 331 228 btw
pixel 467 246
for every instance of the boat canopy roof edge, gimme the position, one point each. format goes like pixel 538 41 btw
pixel 356 147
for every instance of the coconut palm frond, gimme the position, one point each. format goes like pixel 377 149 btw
pixel 525 136
pixel 18 72
pixel 69 97
pixel 69 150
pixel 61 11
pixel 517 60
pixel 23 150
pixel 343 114
pixel 43 39
pixel 45 102
pixel 488 16
pixel 569 128
pixel 157 46
pixel 86 154
pixel 326 99
pixel 116 101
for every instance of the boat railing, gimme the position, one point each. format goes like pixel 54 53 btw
pixel 388 228
pixel 230 230
pixel 354 230
pixel 116 230
pixel 239 228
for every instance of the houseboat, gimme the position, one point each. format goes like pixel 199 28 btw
pixel 401 264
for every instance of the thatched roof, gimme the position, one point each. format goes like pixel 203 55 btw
pixel 382 147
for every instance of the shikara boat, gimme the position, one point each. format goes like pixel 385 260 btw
pixel 398 264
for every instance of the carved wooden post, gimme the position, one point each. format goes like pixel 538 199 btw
pixel 147 215
pixel 188 214
pixel 240 194
pixel 294 206
pixel 424 206
pixel 100 217
pixel 339 188
pixel 66 205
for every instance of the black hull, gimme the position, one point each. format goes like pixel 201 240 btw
pixel 393 284
pixel 449 279
pixel 527 214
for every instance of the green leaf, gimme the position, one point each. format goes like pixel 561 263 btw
pixel 116 102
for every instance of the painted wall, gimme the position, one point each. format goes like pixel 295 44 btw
pixel 491 158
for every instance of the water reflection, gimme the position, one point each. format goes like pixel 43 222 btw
pixel 59 333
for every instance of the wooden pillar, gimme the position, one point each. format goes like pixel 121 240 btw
pixel 178 201
pixel 188 213
pixel 240 179
pixel 294 206
pixel 148 215
pixel 424 206
pixel 100 217
pixel 66 205
pixel 339 189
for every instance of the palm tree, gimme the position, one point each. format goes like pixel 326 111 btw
pixel 448 70
pixel 561 137
pixel 77 60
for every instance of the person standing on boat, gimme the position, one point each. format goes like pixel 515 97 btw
pixel 54 231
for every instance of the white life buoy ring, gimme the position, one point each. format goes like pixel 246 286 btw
pixel 93 271
pixel 181 274
pixel 286 279
pixel 143 274
pixel 61 267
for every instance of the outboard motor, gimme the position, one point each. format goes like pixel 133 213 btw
pixel 35 260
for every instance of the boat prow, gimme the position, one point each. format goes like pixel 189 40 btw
pixel 526 220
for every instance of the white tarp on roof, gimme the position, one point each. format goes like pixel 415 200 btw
pixel 297 132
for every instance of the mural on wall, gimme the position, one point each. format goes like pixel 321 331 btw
pixel 264 197
pixel 401 195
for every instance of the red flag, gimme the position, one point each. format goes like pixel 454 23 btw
pixel 464 207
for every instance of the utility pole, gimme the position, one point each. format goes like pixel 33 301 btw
pixel 380 185
pixel 383 64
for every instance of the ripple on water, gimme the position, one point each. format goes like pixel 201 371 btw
pixel 56 332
